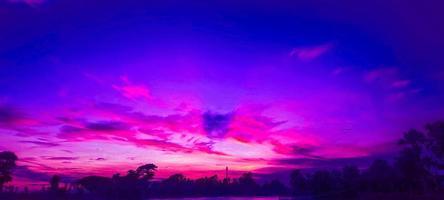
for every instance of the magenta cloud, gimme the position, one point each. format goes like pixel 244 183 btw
pixel 310 53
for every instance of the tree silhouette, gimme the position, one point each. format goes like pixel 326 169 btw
pixel 380 176
pixel 176 185
pixel 322 183
pixel 413 139
pixel 247 184
pixel 54 183
pixel 7 163
pixel 412 164
pixel 350 181
pixel 176 179
pixel 96 184
pixel 435 133
pixel 411 168
pixel 298 182
pixel 274 187
pixel 146 172
pixel 134 185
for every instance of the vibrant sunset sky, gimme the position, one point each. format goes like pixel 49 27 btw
pixel 99 87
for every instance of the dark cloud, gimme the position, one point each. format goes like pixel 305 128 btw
pixel 64 119
pixel 315 163
pixel 59 158
pixel 107 126
pixel 10 116
pixel 103 126
pixel 207 147
pixel 302 150
pixel 69 129
pixel 163 145
pixel 113 107
pixel 40 143
pixel 306 151
pixel 215 124
pixel 25 172
pixel 173 147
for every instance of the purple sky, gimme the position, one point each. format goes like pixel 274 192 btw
pixel 102 87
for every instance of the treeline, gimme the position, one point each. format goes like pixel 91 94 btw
pixel 416 171
pixel 177 185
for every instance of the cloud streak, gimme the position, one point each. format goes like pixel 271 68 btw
pixel 310 53
pixel 133 91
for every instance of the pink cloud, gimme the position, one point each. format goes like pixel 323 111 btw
pixel 133 91
pixel 247 128
pixel 400 83
pixel 142 130
pixel 415 91
pixel 310 53
pixel 170 133
pixel 380 74
pixel 13 118
pixel 338 71
pixel 29 2
pixel 252 132
pixel 395 97
pixel 63 92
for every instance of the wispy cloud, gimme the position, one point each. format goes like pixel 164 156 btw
pixel 381 74
pixel 25 172
pixel 400 83
pixel 394 87
pixel 397 96
pixel 11 116
pixel 41 143
pixel 59 158
pixel 8 115
pixel 133 91
pixel 338 71
pixel 29 2
pixel 310 53
pixel 106 126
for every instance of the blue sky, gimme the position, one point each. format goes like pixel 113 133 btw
pixel 216 83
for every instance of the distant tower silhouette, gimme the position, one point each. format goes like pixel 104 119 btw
pixel 226 173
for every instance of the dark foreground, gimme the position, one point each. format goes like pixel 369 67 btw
pixel 40 196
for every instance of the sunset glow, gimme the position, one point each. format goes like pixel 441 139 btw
pixel 100 88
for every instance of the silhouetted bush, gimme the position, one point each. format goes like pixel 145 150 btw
pixel 7 163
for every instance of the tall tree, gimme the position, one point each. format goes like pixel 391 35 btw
pixel 146 172
pixel 412 163
pixel 247 184
pixel 381 176
pixel 435 134
pixel 350 181
pixel 54 183
pixel 7 163
pixel 298 182
pixel 322 182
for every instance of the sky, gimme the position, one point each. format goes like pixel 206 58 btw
pixel 101 87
